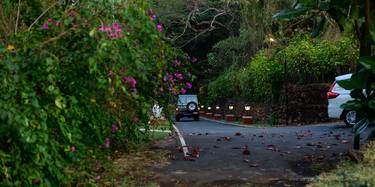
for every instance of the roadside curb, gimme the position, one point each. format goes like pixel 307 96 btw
pixel 291 126
pixel 182 141
pixel 228 123
pixel 156 130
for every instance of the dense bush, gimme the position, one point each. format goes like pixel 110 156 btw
pixel 225 86
pixel 307 61
pixel 266 77
pixel 78 82
pixel 312 61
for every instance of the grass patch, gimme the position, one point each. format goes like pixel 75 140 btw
pixel 132 168
pixel 161 125
pixel 124 167
pixel 349 173
pixel 155 135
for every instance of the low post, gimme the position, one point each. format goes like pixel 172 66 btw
pixel 247 118
pixel 209 113
pixel 217 115
pixel 230 117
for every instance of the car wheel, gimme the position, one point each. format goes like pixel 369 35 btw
pixel 177 118
pixel 350 118
pixel 191 106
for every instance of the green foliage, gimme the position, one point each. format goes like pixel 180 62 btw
pixel 235 50
pixel 348 16
pixel 353 18
pixel 266 77
pixel 257 82
pixel 362 86
pixel 310 61
pixel 307 61
pixel 225 86
pixel 256 23
pixel 71 91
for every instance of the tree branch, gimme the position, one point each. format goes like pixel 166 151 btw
pixel 18 17
pixel 41 15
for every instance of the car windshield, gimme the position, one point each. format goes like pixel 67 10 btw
pixel 185 99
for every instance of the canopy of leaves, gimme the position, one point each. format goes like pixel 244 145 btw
pixel 78 79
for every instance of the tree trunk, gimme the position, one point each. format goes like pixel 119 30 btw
pixel 366 49
pixel 363 30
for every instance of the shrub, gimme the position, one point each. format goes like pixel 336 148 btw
pixel 77 83
pixel 265 75
pixel 225 86
pixel 308 61
pixel 312 61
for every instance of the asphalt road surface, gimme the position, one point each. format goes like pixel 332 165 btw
pixel 282 156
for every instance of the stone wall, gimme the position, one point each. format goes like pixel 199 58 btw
pixel 305 104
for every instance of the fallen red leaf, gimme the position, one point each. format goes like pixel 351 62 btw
pixel 188 158
pixel 227 138
pixel 246 150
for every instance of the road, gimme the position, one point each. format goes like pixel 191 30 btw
pixel 278 156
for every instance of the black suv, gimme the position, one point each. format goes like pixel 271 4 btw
pixel 187 106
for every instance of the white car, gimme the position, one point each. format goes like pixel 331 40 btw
pixel 338 96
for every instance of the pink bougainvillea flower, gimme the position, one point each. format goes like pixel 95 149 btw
pixel 179 76
pixel 172 82
pixel 116 26
pixel 159 26
pixel 36 181
pixel 114 35
pixel 177 63
pixel 110 73
pixel 45 25
pixel 50 20
pixel 114 128
pixel 194 60
pixel 97 177
pixel 107 143
pixel 189 85
pixel 183 91
pixel 72 13
pixel 131 81
pixel 170 77
pixel 108 29
pixel 102 28
pixel 153 17
pixel 187 56
pixel 58 23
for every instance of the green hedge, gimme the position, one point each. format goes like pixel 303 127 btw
pixel 225 86
pixel 265 76
pixel 308 61
pixel 312 61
